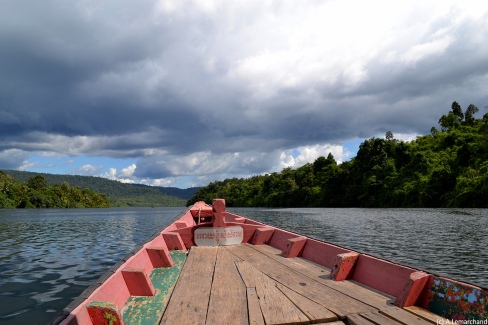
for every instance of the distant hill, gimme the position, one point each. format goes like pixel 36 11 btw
pixel 120 194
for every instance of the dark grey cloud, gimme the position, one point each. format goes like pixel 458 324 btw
pixel 231 87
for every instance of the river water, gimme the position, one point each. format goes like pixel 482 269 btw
pixel 48 257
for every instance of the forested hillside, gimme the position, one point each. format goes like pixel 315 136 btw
pixel 35 193
pixel 119 194
pixel 446 168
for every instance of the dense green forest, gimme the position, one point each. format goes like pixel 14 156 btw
pixel 446 168
pixel 119 194
pixel 35 193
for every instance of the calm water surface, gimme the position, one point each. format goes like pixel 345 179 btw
pixel 48 257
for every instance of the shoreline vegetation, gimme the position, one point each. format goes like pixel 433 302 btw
pixel 446 168
pixel 37 194
pixel 22 189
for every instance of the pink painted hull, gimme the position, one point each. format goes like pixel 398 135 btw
pixel 448 298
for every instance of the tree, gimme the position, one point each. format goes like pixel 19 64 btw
pixel 389 136
pixel 469 115
pixel 37 182
pixel 449 122
pixel 434 131
pixel 456 109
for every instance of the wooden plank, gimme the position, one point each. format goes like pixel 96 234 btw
pixel 331 299
pixel 228 301
pixel 189 302
pixel 427 315
pixel 355 319
pixel 350 288
pixel 403 316
pixel 299 264
pixel 275 306
pixel 255 314
pixel 317 273
pixel 315 312
pixel 379 319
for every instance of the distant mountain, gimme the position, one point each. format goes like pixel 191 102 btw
pixel 120 194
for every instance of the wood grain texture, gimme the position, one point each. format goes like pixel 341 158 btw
pixel 355 319
pixel 228 302
pixel 331 299
pixel 379 319
pixel 254 309
pixel 425 314
pixel 189 302
pixel 315 312
pixel 404 317
pixel 320 274
pixel 275 306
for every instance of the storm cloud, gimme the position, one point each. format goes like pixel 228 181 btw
pixel 214 89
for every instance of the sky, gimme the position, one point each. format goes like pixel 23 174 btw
pixel 182 93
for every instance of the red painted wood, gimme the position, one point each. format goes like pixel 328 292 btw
pixel 140 260
pixel 322 253
pixel 113 290
pixel 159 256
pixel 294 247
pixel 280 238
pixel 180 224
pixel 343 268
pixel 173 241
pixel 104 313
pixel 138 282
pixel 201 209
pixel 262 235
pixel 382 275
pixel 412 289
pixel 218 206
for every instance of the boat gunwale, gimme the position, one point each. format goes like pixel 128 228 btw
pixel 85 294
pixel 67 311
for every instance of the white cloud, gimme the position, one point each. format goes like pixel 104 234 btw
pixel 308 154
pixel 13 158
pixel 128 171
pixel 126 175
pixel 89 170
pixel 212 89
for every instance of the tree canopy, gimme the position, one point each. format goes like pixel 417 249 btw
pixel 37 194
pixel 447 168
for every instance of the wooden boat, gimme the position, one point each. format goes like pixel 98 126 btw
pixel 214 267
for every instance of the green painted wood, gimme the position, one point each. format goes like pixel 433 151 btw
pixel 149 310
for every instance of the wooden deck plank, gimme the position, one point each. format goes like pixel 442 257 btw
pixel 296 263
pixel 320 274
pixel 315 312
pixel 254 309
pixel 275 306
pixel 331 299
pixel 189 302
pixel 404 317
pixel 351 288
pixel 427 315
pixel 228 302
pixel 355 319
pixel 379 319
